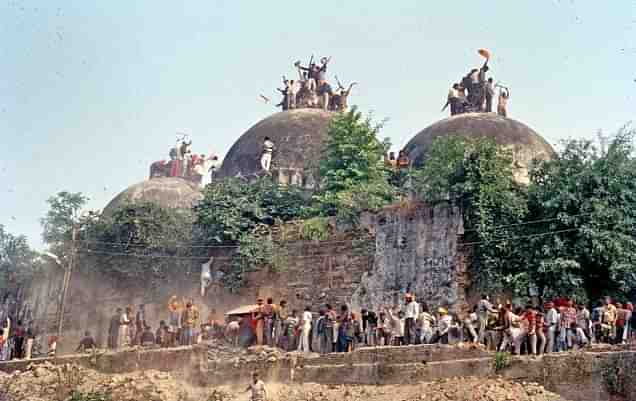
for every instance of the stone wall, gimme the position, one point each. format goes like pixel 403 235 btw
pixel 188 359
pixel 416 251
pixel 404 248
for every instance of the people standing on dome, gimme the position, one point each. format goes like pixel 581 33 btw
pixel 490 94
pixel 324 92
pixel 452 100
pixel 403 161
pixel 266 157
pixel 390 161
pixel 316 72
pixel 312 90
pixel 481 87
pixel 338 101
pixel 284 103
pixel 321 72
pixel 480 90
pixel 502 105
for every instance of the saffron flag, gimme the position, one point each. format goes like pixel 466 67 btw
pixel 485 53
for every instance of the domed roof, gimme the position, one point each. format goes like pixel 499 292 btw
pixel 525 143
pixel 298 135
pixel 167 192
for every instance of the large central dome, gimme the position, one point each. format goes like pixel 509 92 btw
pixel 525 143
pixel 299 137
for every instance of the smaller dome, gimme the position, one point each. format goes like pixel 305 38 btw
pixel 167 192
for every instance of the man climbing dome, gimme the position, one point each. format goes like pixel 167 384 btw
pixel 266 157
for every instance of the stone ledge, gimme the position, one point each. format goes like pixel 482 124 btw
pixel 163 359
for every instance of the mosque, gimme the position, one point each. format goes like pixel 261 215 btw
pixel 419 250
pixel 300 136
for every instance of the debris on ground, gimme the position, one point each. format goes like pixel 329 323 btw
pixel 48 382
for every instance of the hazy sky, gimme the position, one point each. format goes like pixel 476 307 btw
pixel 91 92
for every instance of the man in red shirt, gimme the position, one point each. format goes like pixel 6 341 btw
pixel 568 316
pixel 530 317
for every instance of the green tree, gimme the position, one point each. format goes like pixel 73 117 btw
pixel 235 212
pixel 352 168
pixel 569 233
pixel 18 262
pixel 65 212
pixel 141 241
pixel 232 207
pixel 588 199
pixel 477 175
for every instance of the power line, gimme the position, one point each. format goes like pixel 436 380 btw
pixel 533 221
pixel 525 236
pixel 164 245
pixel 137 255
pixel 178 245
pixel 90 251
pixel 303 242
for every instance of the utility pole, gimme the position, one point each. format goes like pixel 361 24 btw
pixel 67 281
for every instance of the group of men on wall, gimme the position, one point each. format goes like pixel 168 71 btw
pixel 184 164
pixel 311 89
pixel 475 92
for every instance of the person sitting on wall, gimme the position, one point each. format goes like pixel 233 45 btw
pixel 87 343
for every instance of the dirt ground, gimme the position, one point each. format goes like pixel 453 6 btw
pixel 51 383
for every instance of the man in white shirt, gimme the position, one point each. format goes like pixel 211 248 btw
pixel 305 325
pixel 443 325
pixel 470 322
pixel 412 311
pixel 259 393
pixel 266 157
pixel 426 321
pixel 484 307
pixel 552 319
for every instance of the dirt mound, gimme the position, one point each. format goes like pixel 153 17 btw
pixel 459 389
pixel 47 382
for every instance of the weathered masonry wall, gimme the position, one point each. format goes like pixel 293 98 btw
pixel 416 251
pixel 404 249
pixel 188 359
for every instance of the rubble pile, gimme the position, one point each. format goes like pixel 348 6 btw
pixel 456 389
pixel 48 382
pixel 219 351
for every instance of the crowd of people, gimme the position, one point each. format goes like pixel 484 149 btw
pixel 558 325
pixel 312 90
pixel 183 163
pixel 555 326
pixel 16 342
pixel 475 93
pixel 182 327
